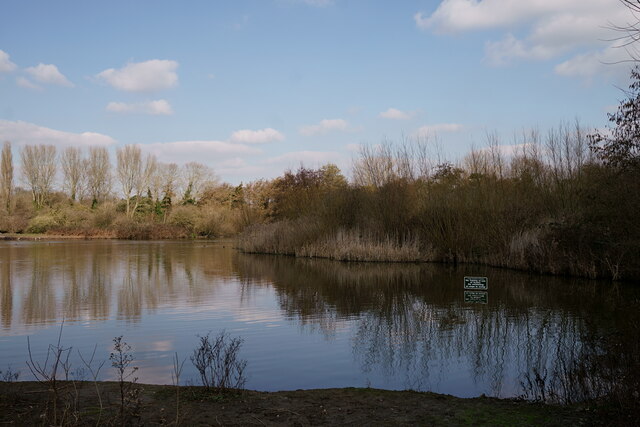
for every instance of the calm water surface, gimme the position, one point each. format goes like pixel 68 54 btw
pixel 306 323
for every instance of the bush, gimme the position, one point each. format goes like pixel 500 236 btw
pixel 104 215
pixel 218 364
pixel 42 223
pixel 215 221
pixel 75 217
pixel 12 223
pixel 127 228
pixel 184 217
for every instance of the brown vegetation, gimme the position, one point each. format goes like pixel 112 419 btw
pixel 550 206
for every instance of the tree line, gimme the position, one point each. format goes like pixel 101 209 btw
pixel 90 177
pixel 564 201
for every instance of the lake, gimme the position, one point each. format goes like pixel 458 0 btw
pixel 306 323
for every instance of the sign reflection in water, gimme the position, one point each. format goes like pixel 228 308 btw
pixel 306 323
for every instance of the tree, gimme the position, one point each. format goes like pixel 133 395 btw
pixel 6 176
pixel 134 175
pixel 620 146
pixel 39 170
pixel 98 171
pixel 196 177
pixel 129 170
pixel 164 187
pixel 72 169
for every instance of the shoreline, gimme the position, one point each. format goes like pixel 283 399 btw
pixel 54 237
pixel 27 402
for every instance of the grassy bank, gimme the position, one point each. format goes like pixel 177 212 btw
pixel 24 403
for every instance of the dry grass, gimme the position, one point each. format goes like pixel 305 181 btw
pixel 306 238
pixel 354 245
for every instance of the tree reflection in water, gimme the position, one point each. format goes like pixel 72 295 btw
pixel 540 337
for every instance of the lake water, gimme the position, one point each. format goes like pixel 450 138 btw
pixel 305 323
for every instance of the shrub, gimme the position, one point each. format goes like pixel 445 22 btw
pixel 215 221
pixel 104 215
pixel 184 217
pixel 127 228
pixel 12 223
pixel 218 363
pixel 42 223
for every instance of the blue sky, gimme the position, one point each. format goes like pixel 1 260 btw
pixel 252 88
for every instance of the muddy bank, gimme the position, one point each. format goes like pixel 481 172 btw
pixel 31 403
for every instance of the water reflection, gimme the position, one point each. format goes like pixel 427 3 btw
pixel 412 321
pixel 393 326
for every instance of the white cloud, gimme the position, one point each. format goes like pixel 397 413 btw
pixel 22 133
pixel 205 151
pixel 307 158
pixel 147 76
pixel 467 15
pixel 159 107
pixel 326 125
pixel 26 83
pixel 354 148
pixel 6 66
pixel 395 114
pixel 256 136
pixel 430 130
pixel 233 163
pixel 612 60
pixel 550 28
pixel 48 74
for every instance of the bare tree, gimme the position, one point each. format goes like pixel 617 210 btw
pixel 129 170
pixel 134 176
pixel 148 171
pixel 196 177
pixel 630 32
pixel 163 185
pixel 6 176
pixel 168 174
pixel 39 170
pixel 72 169
pixel 98 174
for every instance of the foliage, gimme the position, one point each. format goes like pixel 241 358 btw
pixel 42 223
pixel 620 147
pixel 549 207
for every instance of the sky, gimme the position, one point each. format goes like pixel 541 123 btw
pixel 254 87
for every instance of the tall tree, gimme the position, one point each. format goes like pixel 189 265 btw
pixel 39 170
pixel 98 174
pixel 129 169
pixel 72 169
pixel 6 176
pixel 134 175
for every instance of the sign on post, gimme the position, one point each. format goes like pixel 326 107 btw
pixel 476 283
